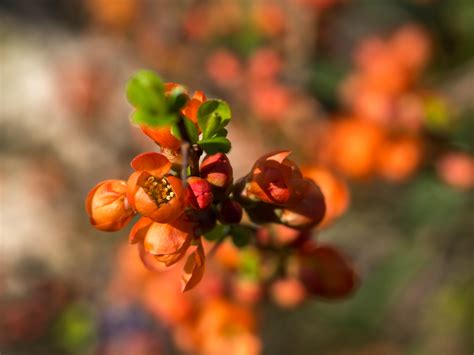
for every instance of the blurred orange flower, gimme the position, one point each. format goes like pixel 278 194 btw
pixel 335 191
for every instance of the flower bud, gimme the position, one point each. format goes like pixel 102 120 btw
pixel 199 194
pixel 216 169
pixel 229 212
pixel 107 205
pixel 307 209
pixel 326 273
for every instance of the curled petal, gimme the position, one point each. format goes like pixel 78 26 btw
pixel 170 259
pixel 155 164
pixel 278 156
pixel 138 232
pixel 307 209
pixel 167 238
pixel 162 136
pixel 193 269
pixel 148 260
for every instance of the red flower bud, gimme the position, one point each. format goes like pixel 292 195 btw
pixel 326 273
pixel 107 205
pixel 216 169
pixel 307 209
pixel 199 194
pixel 230 212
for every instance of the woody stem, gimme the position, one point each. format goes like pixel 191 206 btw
pixel 190 152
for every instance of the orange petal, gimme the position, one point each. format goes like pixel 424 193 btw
pixel 156 164
pixel 167 238
pixel 193 269
pixel 278 156
pixel 139 230
pixel 171 259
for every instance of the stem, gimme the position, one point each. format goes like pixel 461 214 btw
pixel 190 152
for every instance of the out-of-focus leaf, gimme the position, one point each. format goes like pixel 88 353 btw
pixel 241 235
pixel 218 232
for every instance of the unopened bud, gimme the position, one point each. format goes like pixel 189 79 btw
pixel 199 194
pixel 217 170
pixel 230 212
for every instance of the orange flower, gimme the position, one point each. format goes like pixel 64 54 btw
pixel 107 205
pixel 162 135
pixel 272 179
pixel 167 242
pixel 152 192
pixel 399 157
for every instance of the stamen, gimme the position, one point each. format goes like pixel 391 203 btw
pixel 159 190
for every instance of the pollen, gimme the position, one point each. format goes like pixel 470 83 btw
pixel 159 190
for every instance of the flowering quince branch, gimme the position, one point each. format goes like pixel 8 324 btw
pixel 181 199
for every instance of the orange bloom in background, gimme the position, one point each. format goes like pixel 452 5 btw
pixel 224 67
pixel 269 100
pixel 152 191
pixel 457 169
pixel 288 293
pixel 264 64
pixel 118 15
pixel 335 191
pixel 162 135
pixel 398 158
pixel 108 207
pixel 411 45
pixel 325 272
pixel 223 327
pixel 350 146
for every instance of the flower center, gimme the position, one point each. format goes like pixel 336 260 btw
pixel 159 190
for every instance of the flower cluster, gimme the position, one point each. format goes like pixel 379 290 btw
pixel 181 198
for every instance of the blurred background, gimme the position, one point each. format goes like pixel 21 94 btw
pixel 381 93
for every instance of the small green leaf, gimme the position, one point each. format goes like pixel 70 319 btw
pixel 213 125
pixel 221 133
pixel 175 131
pixel 215 145
pixel 213 115
pixel 218 232
pixel 241 235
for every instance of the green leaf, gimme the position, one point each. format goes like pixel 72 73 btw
pixel 213 115
pixel 190 127
pixel 147 118
pixel 241 235
pixel 177 98
pixel 221 133
pixel 218 232
pixel 215 145
pixel 145 90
